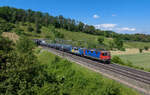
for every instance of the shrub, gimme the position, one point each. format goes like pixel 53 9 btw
pixel 119 43
pixel 140 50
pixel 111 45
pixel 24 45
pixel 30 28
pixel 101 40
pixel 146 48
pixel 18 31
pixel 117 60
pixel 123 49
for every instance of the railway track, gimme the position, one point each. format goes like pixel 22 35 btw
pixel 137 75
pixel 126 71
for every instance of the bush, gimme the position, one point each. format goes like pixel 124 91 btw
pixel 140 50
pixel 18 31
pixel 111 45
pixel 30 28
pixel 123 49
pixel 25 45
pixel 118 43
pixel 146 48
pixel 101 40
pixel 117 60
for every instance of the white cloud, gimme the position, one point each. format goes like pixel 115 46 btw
pixel 96 16
pixel 115 28
pixel 105 26
pixel 114 15
pixel 125 29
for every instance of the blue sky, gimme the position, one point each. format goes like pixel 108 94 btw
pixel 122 16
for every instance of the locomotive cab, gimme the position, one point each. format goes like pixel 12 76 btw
pixel 105 57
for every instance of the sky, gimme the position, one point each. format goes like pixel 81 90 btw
pixel 121 16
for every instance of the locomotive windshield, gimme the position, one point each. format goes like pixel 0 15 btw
pixel 106 54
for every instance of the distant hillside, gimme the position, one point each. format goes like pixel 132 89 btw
pixel 13 15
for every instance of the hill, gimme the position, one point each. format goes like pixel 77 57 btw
pixel 14 15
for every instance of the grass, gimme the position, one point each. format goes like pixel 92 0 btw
pixel 78 38
pixel 136 44
pixel 77 80
pixel 139 60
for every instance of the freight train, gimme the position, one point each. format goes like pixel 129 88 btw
pixel 100 55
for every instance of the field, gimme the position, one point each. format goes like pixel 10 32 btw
pixel 136 44
pixel 140 60
pixel 77 80
pixel 129 51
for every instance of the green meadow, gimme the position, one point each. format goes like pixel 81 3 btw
pixel 139 60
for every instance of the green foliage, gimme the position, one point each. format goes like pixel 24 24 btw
pixel 146 48
pixel 21 72
pixel 117 60
pixel 76 80
pixel 111 45
pixel 140 50
pixel 24 45
pixel 101 40
pixel 5 26
pixel 30 28
pixel 37 27
pixel 119 43
pixel 18 31
pixel 58 34
pixel 6 47
pixel 14 15
pixel 142 60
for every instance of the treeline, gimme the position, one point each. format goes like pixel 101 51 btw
pixel 135 37
pixel 14 15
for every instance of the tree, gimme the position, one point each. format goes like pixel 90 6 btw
pixel 111 45
pixel 6 46
pixel 119 43
pixel 30 28
pixel 5 26
pixel 80 26
pixel 101 40
pixel 21 72
pixel 25 45
pixel 37 27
